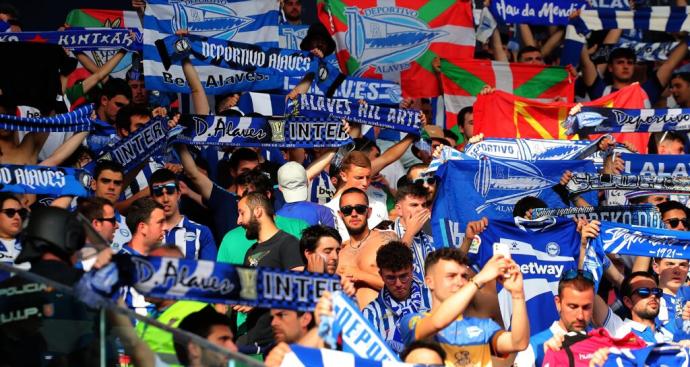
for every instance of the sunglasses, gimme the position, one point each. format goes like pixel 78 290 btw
pixel 359 208
pixel 674 222
pixel 169 188
pixel 645 292
pixel 10 213
pixel 424 180
pixel 112 220
pixel 574 273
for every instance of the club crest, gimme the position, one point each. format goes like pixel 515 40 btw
pixel 504 182
pixel 208 18
pixel 387 38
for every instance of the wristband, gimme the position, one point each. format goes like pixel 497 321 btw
pixel 476 284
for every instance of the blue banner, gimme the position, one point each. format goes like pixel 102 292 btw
pixel 215 282
pixel 77 120
pixel 405 120
pixel 584 182
pixel 53 181
pixel 491 187
pixel 541 12
pixel 295 132
pixel 656 164
pixel 640 241
pixel 290 36
pixel 82 39
pixel 246 21
pixel 595 120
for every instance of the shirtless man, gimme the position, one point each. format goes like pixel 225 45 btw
pixel 358 254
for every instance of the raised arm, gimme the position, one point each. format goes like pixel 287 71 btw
pixel 201 181
pixel 102 72
pixel 199 98
pixel 65 150
pixel 552 43
pixel 497 45
pixel 392 154
pixel 674 57
pixel 320 164
pixel 517 339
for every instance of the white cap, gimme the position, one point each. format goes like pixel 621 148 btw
pixel 292 180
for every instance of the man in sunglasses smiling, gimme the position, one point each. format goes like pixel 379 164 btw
pixel 193 239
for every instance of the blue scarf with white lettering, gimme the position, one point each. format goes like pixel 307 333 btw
pixel 584 182
pixel 644 51
pixel 545 12
pixel 82 39
pixel 534 149
pixel 295 132
pixel 53 181
pixel 147 141
pixel 77 120
pixel 215 282
pixel 359 337
pixel 656 18
pixel 405 120
pixel 595 120
pixel 623 239
pixel 655 164
pixel 636 215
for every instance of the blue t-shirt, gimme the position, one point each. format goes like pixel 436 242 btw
pixel 309 212
pixel 193 239
pixel 544 250
pixel 671 316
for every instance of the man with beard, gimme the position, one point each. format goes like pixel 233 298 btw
pixel 274 248
pixel 320 247
pixel 358 253
pixel 575 305
pixel 401 294
pixel 292 9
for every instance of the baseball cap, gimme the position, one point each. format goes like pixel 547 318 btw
pixel 292 180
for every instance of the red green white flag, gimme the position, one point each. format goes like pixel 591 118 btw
pixel 462 80
pixel 398 40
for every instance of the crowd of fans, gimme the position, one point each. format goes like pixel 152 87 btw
pixel 365 220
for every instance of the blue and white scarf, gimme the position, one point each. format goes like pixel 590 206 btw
pixel 295 132
pixel 584 182
pixel 374 91
pixel 82 39
pixel 534 149
pixel 656 164
pixel 136 148
pixel 641 241
pixel 636 215
pixel 422 246
pixel 359 337
pixel 77 120
pixel 309 357
pixel 656 18
pixel 406 120
pixel 215 282
pixel 644 51
pixel 594 120
pixel 240 56
pixel 247 21
pixel 545 12
pixel 53 181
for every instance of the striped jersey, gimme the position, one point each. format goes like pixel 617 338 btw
pixel 193 239
pixel 422 245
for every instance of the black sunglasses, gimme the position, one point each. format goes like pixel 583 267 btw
pixel 645 292
pixel 359 208
pixel 674 222
pixel 422 180
pixel 169 188
pixel 23 212
pixel 574 273
pixel 112 220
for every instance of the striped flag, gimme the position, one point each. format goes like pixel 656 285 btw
pixel 398 40
pixel 462 81
pixel 243 21
pixel 96 18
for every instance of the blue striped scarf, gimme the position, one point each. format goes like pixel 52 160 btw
pixel 77 120
pixel 636 215
pixel 655 18
pixel 641 241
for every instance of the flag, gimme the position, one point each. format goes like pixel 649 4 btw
pixel 504 115
pixel 463 79
pixel 96 18
pixel 398 40
pixel 245 21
